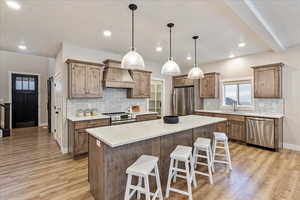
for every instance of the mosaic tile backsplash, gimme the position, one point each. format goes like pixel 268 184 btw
pixel 114 100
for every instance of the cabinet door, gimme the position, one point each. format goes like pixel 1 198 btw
pixel 136 91
pixel 145 84
pixel 237 130
pixel 81 142
pixel 78 80
pixel 93 81
pixel 267 82
pixel 207 87
pixel 222 127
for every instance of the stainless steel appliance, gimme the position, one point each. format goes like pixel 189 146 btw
pixel 260 131
pixel 183 101
pixel 120 118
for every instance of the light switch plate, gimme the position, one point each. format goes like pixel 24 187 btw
pixel 98 143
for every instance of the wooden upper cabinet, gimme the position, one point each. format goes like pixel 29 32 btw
pixel 85 79
pixel 268 81
pixel 142 86
pixel 209 85
pixel 182 81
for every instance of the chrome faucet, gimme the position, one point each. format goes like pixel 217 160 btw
pixel 234 106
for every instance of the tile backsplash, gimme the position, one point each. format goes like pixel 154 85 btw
pixel 114 100
pixel 260 105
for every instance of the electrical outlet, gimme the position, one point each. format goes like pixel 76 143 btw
pixel 98 143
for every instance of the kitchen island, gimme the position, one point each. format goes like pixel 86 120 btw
pixel 113 149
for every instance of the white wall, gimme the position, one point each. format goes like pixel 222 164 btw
pixel 70 51
pixel 241 67
pixel 23 63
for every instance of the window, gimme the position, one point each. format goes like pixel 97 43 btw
pixel 25 83
pixel 155 101
pixel 237 91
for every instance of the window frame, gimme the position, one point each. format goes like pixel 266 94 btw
pixel 248 80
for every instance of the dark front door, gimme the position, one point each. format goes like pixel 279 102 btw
pixel 24 100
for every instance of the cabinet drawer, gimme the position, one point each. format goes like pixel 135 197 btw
pixel 92 123
pixel 146 117
pixel 237 118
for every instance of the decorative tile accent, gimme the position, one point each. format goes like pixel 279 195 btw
pixel 114 100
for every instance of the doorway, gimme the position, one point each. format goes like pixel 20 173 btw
pixel 24 100
pixel 156 98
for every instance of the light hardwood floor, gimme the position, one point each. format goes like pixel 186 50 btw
pixel 31 167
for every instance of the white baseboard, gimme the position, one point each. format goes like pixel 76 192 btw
pixel 291 146
pixel 43 124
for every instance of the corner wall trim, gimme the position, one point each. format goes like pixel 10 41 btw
pixel 291 147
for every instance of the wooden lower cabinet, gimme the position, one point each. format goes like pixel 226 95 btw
pixel 78 138
pixel 237 130
pixel 146 117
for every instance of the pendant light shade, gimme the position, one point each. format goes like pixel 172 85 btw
pixel 195 72
pixel 170 68
pixel 133 60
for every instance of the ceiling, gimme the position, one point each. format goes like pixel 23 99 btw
pixel 42 25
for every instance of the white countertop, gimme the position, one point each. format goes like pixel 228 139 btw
pixel 244 113
pixel 115 136
pixel 76 119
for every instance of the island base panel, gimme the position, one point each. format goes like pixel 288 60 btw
pixel 107 165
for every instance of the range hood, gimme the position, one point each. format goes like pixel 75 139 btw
pixel 115 76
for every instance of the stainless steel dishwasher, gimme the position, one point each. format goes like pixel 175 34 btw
pixel 260 131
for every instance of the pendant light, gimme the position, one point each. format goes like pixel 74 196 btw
pixel 195 72
pixel 170 68
pixel 132 60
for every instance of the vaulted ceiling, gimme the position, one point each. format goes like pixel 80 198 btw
pixel 221 24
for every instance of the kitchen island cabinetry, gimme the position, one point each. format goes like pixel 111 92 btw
pixel 112 150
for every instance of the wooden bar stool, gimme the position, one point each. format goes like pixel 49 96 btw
pixel 222 139
pixel 203 144
pixel 143 168
pixel 182 154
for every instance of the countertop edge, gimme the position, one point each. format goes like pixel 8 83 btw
pixel 273 116
pixel 151 137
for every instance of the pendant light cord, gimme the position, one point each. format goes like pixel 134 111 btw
pixel 132 31
pixel 195 52
pixel 170 42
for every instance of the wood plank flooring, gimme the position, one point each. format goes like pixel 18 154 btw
pixel 32 168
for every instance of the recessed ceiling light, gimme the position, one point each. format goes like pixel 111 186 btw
pixel 231 56
pixel 22 47
pixel 242 44
pixel 189 58
pixel 158 49
pixel 13 4
pixel 107 33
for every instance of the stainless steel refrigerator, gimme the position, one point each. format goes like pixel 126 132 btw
pixel 183 101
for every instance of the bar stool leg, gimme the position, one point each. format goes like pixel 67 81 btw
pixel 211 160
pixel 228 154
pixel 140 185
pixel 127 192
pixel 189 180
pixel 175 173
pixel 158 183
pixel 193 175
pixel 147 188
pixel 209 166
pixel 169 178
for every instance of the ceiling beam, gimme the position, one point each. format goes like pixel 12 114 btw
pixel 247 11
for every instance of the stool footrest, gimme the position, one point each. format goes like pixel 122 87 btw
pixel 221 161
pixel 201 163
pixel 179 170
pixel 200 156
pixel 201 173
pixel 219 154
pixel 179 191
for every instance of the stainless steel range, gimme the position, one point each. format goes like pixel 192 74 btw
pixel 120 118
